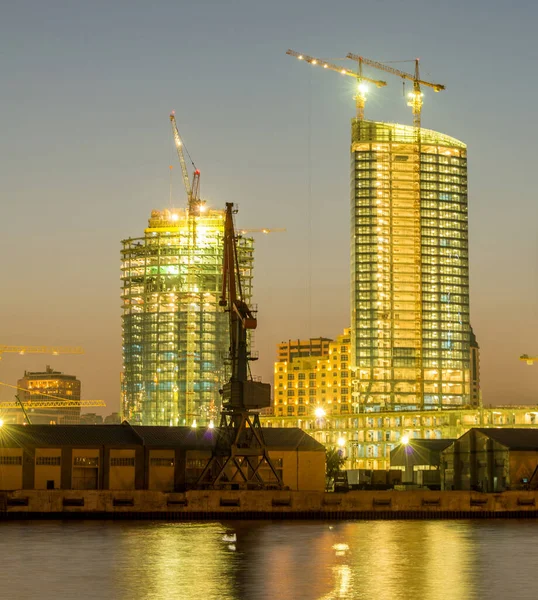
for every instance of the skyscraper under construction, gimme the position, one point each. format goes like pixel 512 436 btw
pixel 175 335
pixel 410 332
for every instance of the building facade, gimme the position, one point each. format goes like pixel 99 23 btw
pixel 47 387
pixel 123 457
pixel 174 331
pixel 410 332
pixel 317 383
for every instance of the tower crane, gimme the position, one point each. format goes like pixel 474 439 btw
pixel 240 448
pixel 54 402
pixel 193 190
pixel 55 350
pixel 528 359
pixel 362 89
pixel 262 230
pixel 414 98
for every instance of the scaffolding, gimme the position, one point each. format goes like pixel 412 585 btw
pixel 410 274
pixel 175 335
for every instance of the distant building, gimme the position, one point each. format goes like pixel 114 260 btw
pixel 476 398
pixel 287 351
pixel 315 378
pixel 91 419
pixel 175 334
pixel 113 419
pixel 39 386
pixel 122 457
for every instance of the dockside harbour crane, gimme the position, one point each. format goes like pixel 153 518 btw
pixel 240 452
pixel 193 190
pixel 362 89
pixel 414 98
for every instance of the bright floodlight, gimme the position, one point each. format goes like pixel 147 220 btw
pixel 319 412
pixel 1 422
pixel 341 442
pixel 405 439
pixel 363 88
pixel 175 217
pixel 211 424
pixel 194 425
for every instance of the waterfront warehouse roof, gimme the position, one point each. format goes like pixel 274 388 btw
pixel 67 435
pixel 513 439
pixel 419 452
pixel 151 436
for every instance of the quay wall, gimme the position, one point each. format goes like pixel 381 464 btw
pixel 215 505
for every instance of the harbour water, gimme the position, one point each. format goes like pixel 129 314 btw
pixel 449 560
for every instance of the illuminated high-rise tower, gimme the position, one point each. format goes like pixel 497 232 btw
pixel 175 335
pixel 410 333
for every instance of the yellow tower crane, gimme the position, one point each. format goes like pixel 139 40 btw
pixel 193 191
pixel 528 359
pixel 55 350
pixel 414 98
pixel 54 402
pixel 362 89
pixel 261 230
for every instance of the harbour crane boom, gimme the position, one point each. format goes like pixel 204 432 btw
pixel 360 96
pixel 414 98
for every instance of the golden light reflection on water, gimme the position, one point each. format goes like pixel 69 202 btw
pixel 393 560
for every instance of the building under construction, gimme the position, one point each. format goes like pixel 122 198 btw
pixel 175 335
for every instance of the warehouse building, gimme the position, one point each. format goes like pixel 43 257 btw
pixel 491 460
pixel 125 457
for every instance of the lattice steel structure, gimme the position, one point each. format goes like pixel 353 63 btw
pixel 410 333
pixel 175 335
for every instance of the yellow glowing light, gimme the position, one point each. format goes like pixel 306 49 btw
pixel 405 439
pixel 194 424
pixel 319 412
pixel 300 57
pixel 175 217
pixel 203 208
pixel 343 71
pixel 341 442
pixel 363 88
pixel 1 422
pixel 325 66
pixel 314 62
pixel 211 424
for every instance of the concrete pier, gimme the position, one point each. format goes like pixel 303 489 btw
pixel 217 505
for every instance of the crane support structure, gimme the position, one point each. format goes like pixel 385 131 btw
pixel 240 457
pixel 361 92
pixel 414 98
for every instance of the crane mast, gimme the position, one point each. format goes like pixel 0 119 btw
pixel 414 98
pixel 240 449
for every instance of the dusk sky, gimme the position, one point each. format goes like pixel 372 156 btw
pixel 85 149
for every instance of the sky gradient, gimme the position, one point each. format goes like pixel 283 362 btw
pixel 85 149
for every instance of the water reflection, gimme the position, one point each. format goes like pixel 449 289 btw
pixel 263 560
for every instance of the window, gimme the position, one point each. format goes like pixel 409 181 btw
pixel 196 463
pixel 122 462
pixel 86 461
pixel 161 462
pixel 290 376
pixel 301 376
pixel 312 376
pixel 55 461
pixel 10 460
